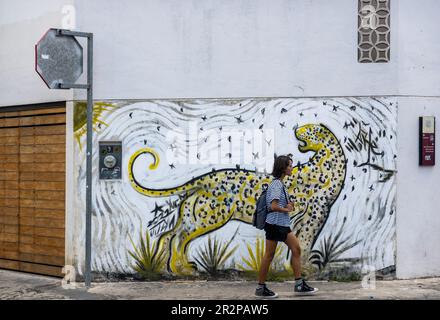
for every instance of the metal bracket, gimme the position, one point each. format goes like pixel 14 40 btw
pixel 63 32
pixel 73 86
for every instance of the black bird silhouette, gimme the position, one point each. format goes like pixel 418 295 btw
pixel 353 108
pixel 263 111
pixel 371 188
pixel 172 166
pixel 221 128
pixel 255 155
pixel 229 138
pixel 352 178
pixel 261 127
pixel 335 108
pixel 181 109
pixel 283 124
pixel 204 118
pixel 324 103
pixel 301 114
pixel 268 142
pixel 239 119
pixel 352 188
pixel 316 115
pixel 365 124
pixel 158 128
pixel 130 115
pixel 345 197
pixel 198 156
pixel 145 142
pixel 283 110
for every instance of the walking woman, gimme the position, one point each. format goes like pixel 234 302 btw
pixel 277 229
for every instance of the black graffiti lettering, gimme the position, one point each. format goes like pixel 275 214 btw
pixel 162 226
pixel 365 142
pixel 160 217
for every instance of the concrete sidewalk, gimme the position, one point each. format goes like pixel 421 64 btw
pixel 15 285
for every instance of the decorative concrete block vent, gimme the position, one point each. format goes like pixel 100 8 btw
pixel 373 30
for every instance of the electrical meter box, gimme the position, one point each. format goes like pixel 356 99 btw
pixel 110 160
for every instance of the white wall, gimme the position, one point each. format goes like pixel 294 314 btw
pixel 418 47
pixel 221 49
pixel 251 48
pixel 180 49
pixel 199 48
pixel 418 220
pixel 418 191
pixel 22 24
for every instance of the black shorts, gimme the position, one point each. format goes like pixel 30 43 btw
pixel 276 233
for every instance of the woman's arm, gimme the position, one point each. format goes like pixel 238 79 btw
pixel 275 207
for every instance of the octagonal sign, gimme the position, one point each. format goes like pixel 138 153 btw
pixel 58 59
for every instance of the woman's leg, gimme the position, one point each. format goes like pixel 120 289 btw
pixel 293 244
pixel 271 246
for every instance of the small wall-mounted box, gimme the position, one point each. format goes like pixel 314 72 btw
pixel 110 160
pixel 427 141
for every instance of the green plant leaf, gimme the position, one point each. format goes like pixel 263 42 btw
pixel 214 254
pixel 145 262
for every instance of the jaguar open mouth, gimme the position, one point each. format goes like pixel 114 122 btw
pixel 302 145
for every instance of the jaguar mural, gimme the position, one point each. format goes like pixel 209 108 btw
pixel 185 189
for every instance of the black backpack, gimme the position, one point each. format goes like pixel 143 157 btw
pixel 261 211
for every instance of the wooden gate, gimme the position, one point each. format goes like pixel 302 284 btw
pixel 32 189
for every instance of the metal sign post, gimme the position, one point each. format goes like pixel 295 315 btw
pixel 58 57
